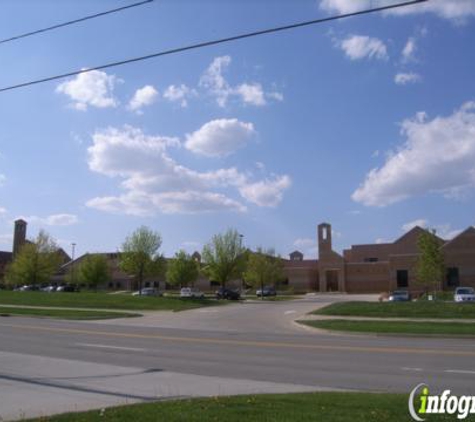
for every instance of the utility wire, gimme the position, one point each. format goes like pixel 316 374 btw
pixel 85 18
pixel 210 43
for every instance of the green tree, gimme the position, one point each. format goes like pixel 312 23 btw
pixel 430 264
pixel 224 257
pixel 140 256
pixel 36 261
pixel 264 268
pixel 94 270
pixel 182 270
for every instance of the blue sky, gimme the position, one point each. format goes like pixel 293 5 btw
pixel 367 123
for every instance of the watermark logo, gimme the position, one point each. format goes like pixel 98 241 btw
pixel 421 404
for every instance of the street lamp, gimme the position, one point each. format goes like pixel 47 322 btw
pixel 240 250
pixel 73 246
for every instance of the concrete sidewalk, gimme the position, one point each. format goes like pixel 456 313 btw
pixel 35 386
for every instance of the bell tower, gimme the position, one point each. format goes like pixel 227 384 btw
pixel 19 236
pixel 324 239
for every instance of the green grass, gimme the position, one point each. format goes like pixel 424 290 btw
pixel 422 309
pixel 101 301
pixel 63 313
pixel 332 407
pixel 395 327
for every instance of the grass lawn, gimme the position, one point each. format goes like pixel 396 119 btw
pixel 334 407
pixel 398 327
pixel 63 313
pixel 422 309
pixel 102 300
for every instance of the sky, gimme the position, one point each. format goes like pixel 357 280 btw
pixel 366 123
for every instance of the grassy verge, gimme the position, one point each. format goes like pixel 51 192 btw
pixel 335 407
pixel 102 300
pixel 400 309
pixel 394 327
pixel 63 313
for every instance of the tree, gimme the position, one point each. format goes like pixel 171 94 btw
pixel 224 257
pixel 182 270
pixel 94 270
pixel 36 261
pixel 264 268
pixel 140 256
pixel 430 264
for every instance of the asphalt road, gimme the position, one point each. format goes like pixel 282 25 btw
pixel 49 366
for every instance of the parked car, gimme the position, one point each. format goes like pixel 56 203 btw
pixel 148 291
pixel 49 289
pixel 225 293
pixel 266 291
pixel 67 289
pixel 191 292
pixel 464 294
pixel 400 296
pixel 27 288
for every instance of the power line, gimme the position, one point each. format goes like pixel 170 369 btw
pixel 85 18
pixel 210 43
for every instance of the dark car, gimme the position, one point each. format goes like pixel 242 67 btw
pixel 68 288
pixel 225 293
pixel 400 296
pixel 266 291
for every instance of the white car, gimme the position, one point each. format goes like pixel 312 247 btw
pixel 192 293
pixel 464 294
pixel 147 291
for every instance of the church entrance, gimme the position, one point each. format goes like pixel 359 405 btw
pixel 332 280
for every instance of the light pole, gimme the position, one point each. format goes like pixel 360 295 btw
pixel 73 246
pixel 241 252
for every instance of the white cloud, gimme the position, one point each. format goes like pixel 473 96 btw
pixel 220 138
pixel 154 182
pixel 143 97
pixel 411 224
pixel 266 193
pixel 406 78
pixel 448 9
pixel 305 243
pixel 6 239
pixel 180 94
pixel 445 231
pixel 213 80
pixel 94 88
pixel 52 220
pixel 2 179
pixel 438 156
pixel 358 47
pixel 251 93
pixel 409 50
pixel 186 202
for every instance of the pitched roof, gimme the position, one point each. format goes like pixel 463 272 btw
pixel 467 233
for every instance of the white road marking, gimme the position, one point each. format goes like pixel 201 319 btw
pixel 459 371
pixel 106 346
pixel 405 368
pixel 289 312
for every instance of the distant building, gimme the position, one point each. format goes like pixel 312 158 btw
pixel 378 267
pixel 19 240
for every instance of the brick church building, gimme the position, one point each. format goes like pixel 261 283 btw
pixel 377 268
